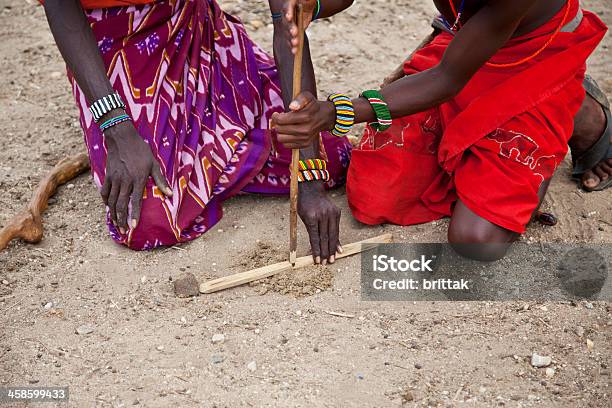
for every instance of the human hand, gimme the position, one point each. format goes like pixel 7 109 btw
pixel 129 163
pixel 290 10
pixel 301 125
pixel 322 220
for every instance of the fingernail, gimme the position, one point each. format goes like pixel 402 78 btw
pixel 121 230
pixel 294 105
pixel 134 224
pixel 318 260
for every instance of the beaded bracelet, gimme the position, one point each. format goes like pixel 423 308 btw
pixel 312 164
pixel 312 175
pixel 114 121
pixel 381 109
pixel 104 105
pixel 277 16
pixel 317 12
pixel 345 114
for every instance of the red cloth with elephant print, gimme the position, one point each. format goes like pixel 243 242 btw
pixel 491 146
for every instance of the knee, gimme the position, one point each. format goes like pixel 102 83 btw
pixel 477 242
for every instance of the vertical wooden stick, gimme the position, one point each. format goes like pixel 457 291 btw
pixel 295 153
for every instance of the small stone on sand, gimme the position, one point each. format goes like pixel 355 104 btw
pixel 590 344
pixel 218 338
pixel 216 359
pixel 84 329
pixel 186 285
pixel 539 361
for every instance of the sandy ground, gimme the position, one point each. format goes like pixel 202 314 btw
pixel 150 348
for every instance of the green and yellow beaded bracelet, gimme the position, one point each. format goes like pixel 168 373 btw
pixel 313 169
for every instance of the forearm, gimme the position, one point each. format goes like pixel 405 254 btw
pixel 333 7
pixel 78 46
pixel 411 94
pixel 284 62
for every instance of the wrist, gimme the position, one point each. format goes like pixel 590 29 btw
pixel 310 187
pixel 119 133
pixel 112 114
pixel 328 115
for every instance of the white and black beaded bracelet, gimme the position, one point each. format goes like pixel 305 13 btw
pixel 104 105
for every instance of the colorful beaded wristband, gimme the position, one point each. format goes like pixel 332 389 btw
pixel 104 105
pixel 312 164
pixel 317 11
pixel 312 175
pixel 345 114
pixel 114 121
pixel 381 109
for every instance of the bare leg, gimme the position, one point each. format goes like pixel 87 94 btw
pixel 476 238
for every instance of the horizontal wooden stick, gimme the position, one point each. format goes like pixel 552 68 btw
pixel 245 277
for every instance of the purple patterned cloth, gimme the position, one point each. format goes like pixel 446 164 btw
pixel 201 94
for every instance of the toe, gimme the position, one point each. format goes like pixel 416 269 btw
pixel 601 173
pixel 589 180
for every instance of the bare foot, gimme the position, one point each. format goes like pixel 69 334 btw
pixel 589 124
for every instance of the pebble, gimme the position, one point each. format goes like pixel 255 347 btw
pixel 48 306
pixel 579 331
pixel 590 344
pixel 257 24
pixel 360 376
pixel 186 285
pixel 407 396
pixel 550 372
pixel 5 282
pixel 218 338
pixel 217 359
pixel 84 329
pixel 418 366
pixel 252 366
pixel 539 361
pixel 588 305
pixel 160 348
